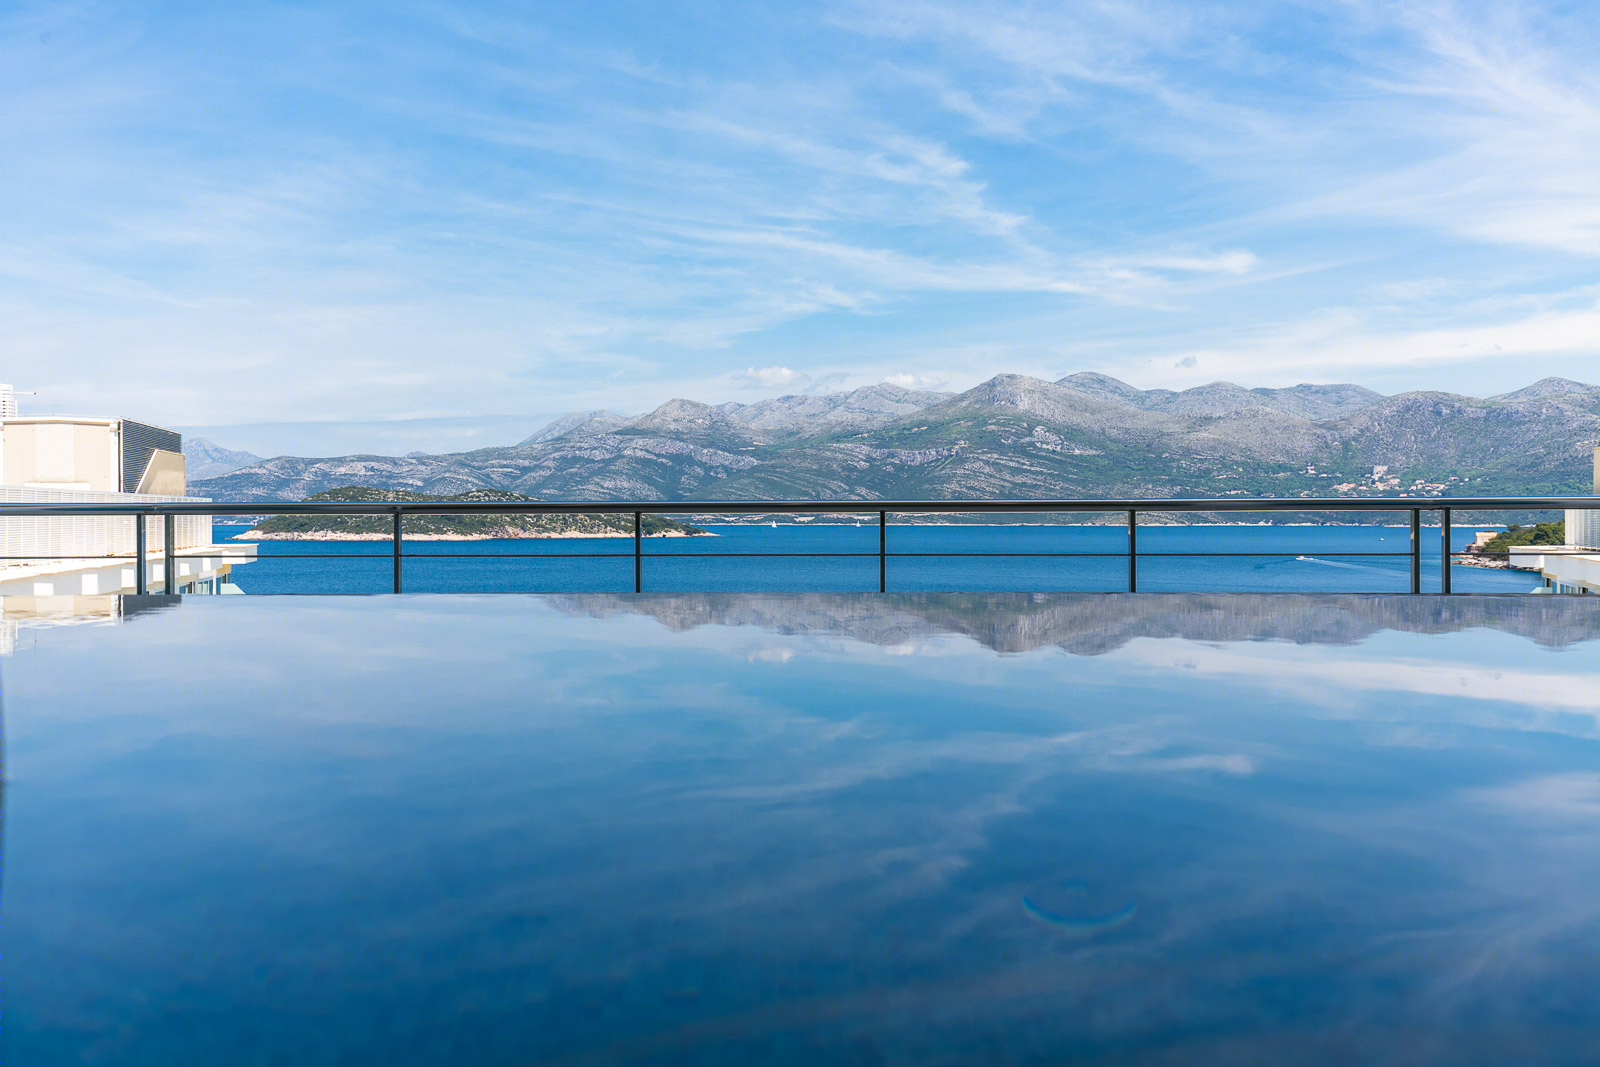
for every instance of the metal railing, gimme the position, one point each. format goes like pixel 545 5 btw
pixel 880 509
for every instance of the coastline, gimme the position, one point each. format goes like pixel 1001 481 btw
pixel 707 531
pixel 330 535
pixel 1492 564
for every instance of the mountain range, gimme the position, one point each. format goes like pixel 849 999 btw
pixel 206 460
pixel 1086 435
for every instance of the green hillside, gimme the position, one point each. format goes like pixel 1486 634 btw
pixel 1543 533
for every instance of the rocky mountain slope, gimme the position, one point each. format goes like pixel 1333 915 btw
pixel 866 408
pixel 206 460
pixel 767 421
pixel 1224 398
pixel 1086 435
pixel 577 422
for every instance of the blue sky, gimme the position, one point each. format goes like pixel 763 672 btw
pixel 324 228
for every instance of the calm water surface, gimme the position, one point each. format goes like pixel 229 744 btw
pixel 1302 559
pixel 807 829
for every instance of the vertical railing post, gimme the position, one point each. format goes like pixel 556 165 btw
pixel 883 551
pixel 638 552
pixel 1416 550
pixel 141 551
pixel 1133 551
pixel 1444 550
pixel 169 567
pixel 395 545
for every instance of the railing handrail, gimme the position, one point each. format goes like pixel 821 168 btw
pixel 1146 505
pixel 396 510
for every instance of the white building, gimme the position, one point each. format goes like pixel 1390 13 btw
pixel 63 459
pixel 1575 566
pixel 1583 527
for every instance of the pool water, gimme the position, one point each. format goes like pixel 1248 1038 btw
pixel 735 829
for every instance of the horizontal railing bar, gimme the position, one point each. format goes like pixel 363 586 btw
pixel 624 587
pixel 1285 552
pixel 181 556
pixel 811 555
pixel 306 555
pixel 769 555
pixel 736 555
pixel 779 507
pixel 152 557
pixel 505 555
pixel 883 555
pixel 728 555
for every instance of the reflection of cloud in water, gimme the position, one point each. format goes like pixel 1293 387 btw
pixel 1231 763
pixel 1310 673
pixel 1573 796
pixel 636 809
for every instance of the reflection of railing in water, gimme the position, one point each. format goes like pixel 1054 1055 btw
pixel 882 510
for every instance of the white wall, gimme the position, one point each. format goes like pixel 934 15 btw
pixel 59 537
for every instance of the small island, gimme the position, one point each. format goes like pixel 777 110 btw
pixel 481 527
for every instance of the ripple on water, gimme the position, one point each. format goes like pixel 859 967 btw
pixel 1078 906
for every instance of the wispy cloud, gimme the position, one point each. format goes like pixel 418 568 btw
pixel 770 377
pixel 483 208
pixel 1343 345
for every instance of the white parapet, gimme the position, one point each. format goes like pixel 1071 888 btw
pixel 1565 570
pixel 91 535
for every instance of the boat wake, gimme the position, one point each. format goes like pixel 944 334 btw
pixel 1336 563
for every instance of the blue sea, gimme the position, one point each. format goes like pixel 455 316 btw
pixel 943 558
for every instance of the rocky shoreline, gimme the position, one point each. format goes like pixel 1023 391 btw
pixel 516 535
pixel 1495 563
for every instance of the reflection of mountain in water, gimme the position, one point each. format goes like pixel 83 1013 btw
pixel 1091 623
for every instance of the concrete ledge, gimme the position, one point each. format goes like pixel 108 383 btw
pixel 90 577
pixel 1565 570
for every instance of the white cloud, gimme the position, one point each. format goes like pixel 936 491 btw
pixel 769 377
pixel 459 228
pixel 1344 345
pixel 1236 261
pixel 916 381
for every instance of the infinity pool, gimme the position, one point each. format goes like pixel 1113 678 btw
pixel 803 829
